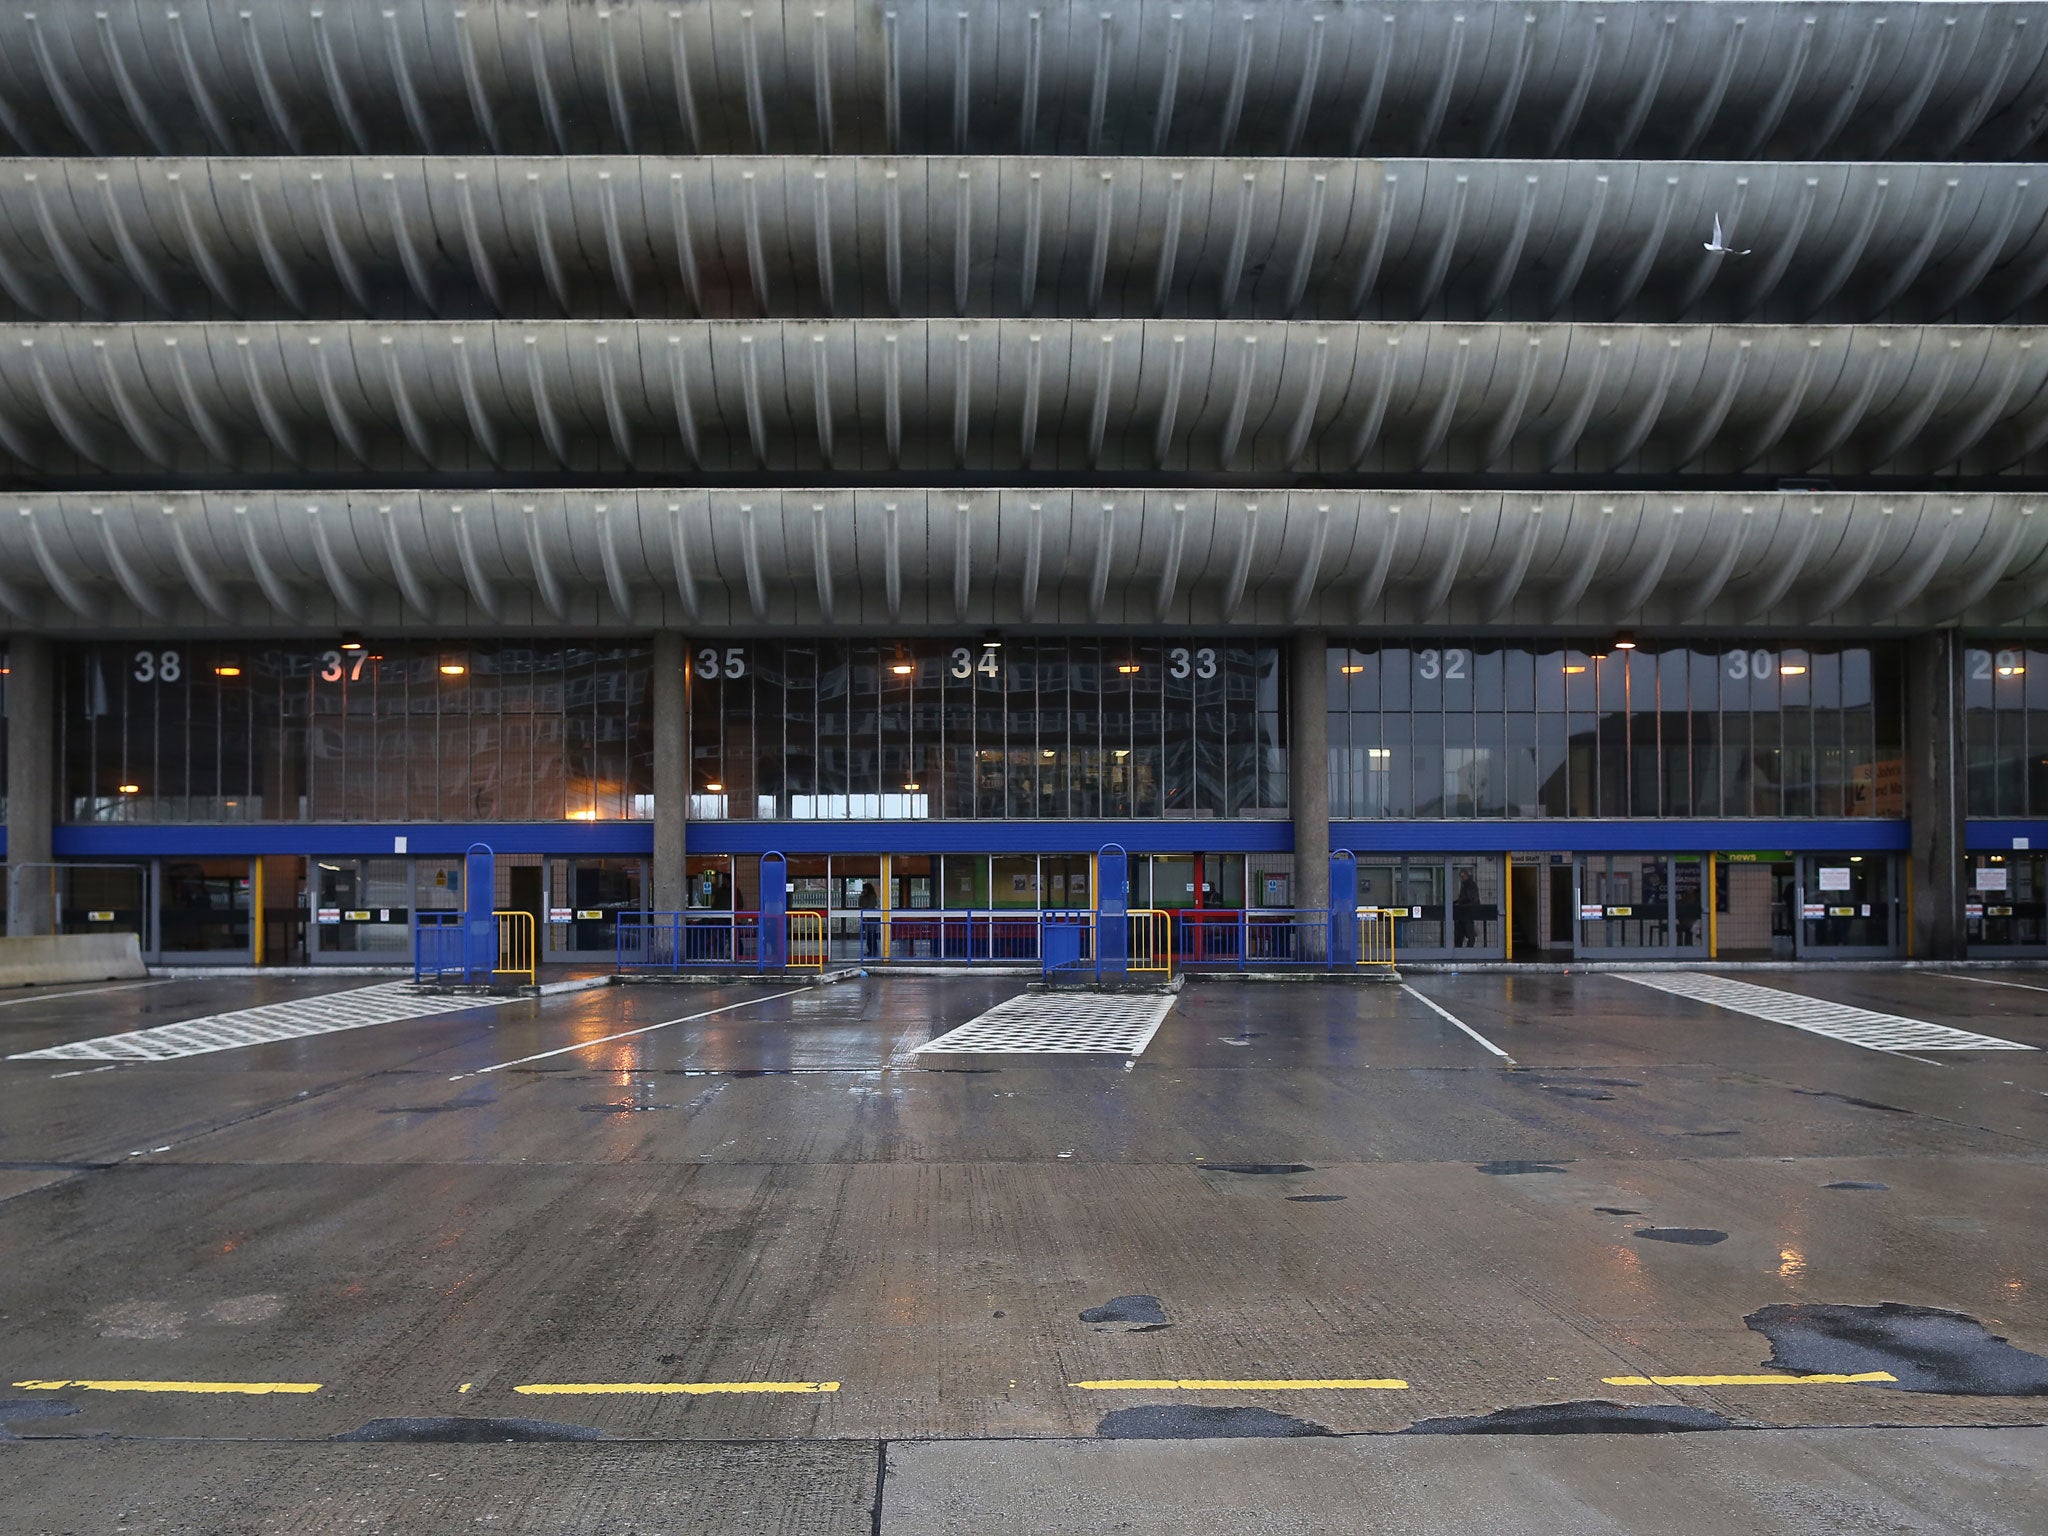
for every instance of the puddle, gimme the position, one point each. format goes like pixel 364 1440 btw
pixel 621 1109
pixel 1576 1090
pixel 454 1431
pixel 1130 1312
pixel 435 1109
pixel 1691 1237
pixel 1584 1418
pixel 1928 1349
pixel 1576 1087
pixel 20 1408
pixel 1255 1168
pixel 1845 1098
pixel 1616 1210
pixel 1855 1184
pixel 1184 1421
pixel 1510 1165
pixel 1710 1133
pixel 1314 1199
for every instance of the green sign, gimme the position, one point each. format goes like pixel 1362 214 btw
pixel 1752 856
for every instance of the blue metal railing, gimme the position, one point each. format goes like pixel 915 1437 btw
pixel 966 937
pixel 1253 940
pixel 438 950
pixel 688 941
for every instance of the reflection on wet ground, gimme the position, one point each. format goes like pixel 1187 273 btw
pixel 1301 1213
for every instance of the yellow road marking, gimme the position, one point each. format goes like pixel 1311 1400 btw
pixel 1190 1384
pixel 662 1388
pixel 465 1386
pixel 1818 1380
pixel 246 1388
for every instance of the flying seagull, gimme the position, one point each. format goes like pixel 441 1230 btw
pixel 1717 245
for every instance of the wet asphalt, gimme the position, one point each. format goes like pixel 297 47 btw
pixel 1293 1186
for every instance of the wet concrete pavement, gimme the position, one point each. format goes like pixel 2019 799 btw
pixel 1315 1184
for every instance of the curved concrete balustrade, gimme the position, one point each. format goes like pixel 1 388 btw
pixel 908 560
pixel 1691 79
pixel 746 236
pixel 1210 398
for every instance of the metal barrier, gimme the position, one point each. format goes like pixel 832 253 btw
pixel 1066 943
pixel 949 938
pixel 440 951
pixel 1254 940
pixel 807 950
pixel 516 950
pixel 1151 940
pixel 1376 938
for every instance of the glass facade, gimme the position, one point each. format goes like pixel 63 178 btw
pixel 1535 730
pixel 2005 730
pixel 393 732
pixel 963 729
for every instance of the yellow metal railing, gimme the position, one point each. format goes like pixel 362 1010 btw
pixel 806 941
pixel 516 955
pixel 1376 938
pixel 1151 940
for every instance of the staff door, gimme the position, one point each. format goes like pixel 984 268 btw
pixel 1848 906
pixel 1641 906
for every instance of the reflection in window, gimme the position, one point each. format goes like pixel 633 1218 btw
pixel 1483 730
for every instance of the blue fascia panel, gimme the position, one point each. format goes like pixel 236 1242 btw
pixel 2004 836
pixel 1862 835
pixel 95 841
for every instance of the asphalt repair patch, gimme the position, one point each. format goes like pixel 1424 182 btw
pixel 460 1431
pixel 1926 1348
pixel 1584 1418
pixel 1128 1312
pixel 1512 1165
pixel 1183 1421
pixel 14 1408
pixel 1691 1237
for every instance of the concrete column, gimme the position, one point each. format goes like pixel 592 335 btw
pixel 1935 793
pixel 671 771
pixel 31 781
pixel 1308 757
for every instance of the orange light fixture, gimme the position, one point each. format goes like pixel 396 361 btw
pixel 1354 668
pixel 1573 668
pixel 1792 669
pixel 1127 667
pixel 714 789
pixel 583 815
pixel 452 669
pixel 227 671
pixel 913 787
pixel 903 669
pixel 131 789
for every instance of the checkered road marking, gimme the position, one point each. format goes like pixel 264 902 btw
pixel 1838 1021
pixel 357 1008
pixel 1054 1023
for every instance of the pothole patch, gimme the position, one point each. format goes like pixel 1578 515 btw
pixel 1690 1237
pixel 1926 1348
pixel 463 1431
pixel 1183 1421
pixel 1581 1418
pixel 1508 1166
pixel 1128 1314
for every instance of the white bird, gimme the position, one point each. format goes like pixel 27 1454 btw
pixel 1718 246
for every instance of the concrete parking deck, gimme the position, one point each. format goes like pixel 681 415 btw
pixel 789 1274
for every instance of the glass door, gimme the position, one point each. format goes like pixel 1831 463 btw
pixel 2005 903
pixel 203 910
pixel 362 910
pixel 854 893
pixel 1641 906
pixel 1848 905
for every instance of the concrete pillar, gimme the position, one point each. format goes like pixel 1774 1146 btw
pixel 671 772
pixel 1935 793
pixel 1308 757
pixel 31 781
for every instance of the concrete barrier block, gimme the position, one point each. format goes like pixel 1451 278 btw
pixel 65 957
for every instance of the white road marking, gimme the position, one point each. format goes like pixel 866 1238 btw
pixel 1988 981
pixel 1887 1032
pixel 59 997
pixel 1042 1023
pixel 356 1008
pixel 111 1066
pixel 627 1034
pixel 1453 1018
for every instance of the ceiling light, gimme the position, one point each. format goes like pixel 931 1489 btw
pixel 1126 668
pixel 351 642
pixel 1123 751
pixel 714 789
pixel 913 787
pixel 1573 667
pixel 1625 641
pixel 583 815
pixel 131 789
pixel 1792 669
pixel 991 641
pixel 227 671
pixel 1353 668
pixel 2011 671
pixel 1379 751
pixel 902 669
pixel 452 669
